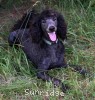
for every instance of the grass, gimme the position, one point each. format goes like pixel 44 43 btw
pixel 15 72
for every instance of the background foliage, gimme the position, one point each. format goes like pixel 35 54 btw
pixel 18 74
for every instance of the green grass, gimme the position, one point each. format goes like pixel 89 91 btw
pixel 15 73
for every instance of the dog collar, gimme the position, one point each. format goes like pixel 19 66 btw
pixel 49 42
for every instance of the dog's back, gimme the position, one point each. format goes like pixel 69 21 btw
pixel 23 23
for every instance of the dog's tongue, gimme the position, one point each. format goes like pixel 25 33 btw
pixel 52 36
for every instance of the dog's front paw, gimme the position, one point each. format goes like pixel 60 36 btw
pixel 83 72
pixel 65 88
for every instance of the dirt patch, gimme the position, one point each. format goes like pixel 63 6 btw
pixel 8 17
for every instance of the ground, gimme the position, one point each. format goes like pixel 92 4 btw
pixel 19 82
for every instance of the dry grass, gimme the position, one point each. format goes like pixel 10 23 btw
pixel 15 75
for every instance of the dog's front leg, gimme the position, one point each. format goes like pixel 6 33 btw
pixel 44 76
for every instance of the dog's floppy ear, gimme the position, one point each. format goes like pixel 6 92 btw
pixel 35 30
pixel 62 27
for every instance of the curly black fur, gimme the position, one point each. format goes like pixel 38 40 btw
pixel 32 20
pixel 28 32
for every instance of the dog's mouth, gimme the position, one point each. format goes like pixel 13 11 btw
pixel 52 36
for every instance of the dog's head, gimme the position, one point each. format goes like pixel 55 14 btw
pixel 50 25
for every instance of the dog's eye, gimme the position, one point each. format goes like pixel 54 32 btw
pixel 54 18
pixel 43 21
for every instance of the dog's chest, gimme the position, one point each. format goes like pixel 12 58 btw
pixel 53 54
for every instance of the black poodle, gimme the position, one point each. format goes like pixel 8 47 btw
pixel 40 36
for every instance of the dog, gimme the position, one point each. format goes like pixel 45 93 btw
pixel 41 36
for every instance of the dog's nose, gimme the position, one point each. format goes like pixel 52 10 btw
pixel 51 28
